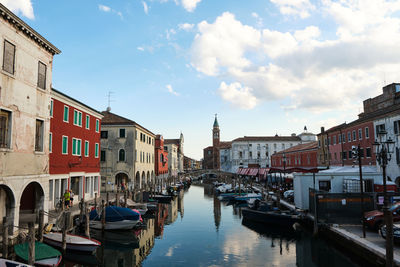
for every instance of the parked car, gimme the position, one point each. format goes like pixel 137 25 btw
pixel 374 219
pixel 396 232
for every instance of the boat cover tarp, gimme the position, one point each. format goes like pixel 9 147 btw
pixel 42 251
pixel 115 214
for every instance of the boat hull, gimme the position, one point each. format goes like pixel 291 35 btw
pixel 76 243
pixel 119 225
pixel 270 217
pixel 49 262
pixel 6 263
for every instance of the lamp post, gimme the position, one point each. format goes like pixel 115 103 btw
pixel 356 151
pixel 383 149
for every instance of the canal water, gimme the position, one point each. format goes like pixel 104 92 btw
pixel 199 230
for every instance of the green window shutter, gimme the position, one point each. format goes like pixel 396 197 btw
pixel 79 147
pixel 75 117
pixel 66 109
pixel 87 121
pixel 51 108
pixel 65 145
pixel 73 146
pixel 96 151
pixel 97 125
pixel 86 148
pixel 80 118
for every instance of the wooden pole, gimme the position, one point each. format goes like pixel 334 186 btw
pixel 87 231
pixel 81 207
pixel 95 200
pixel 31 257
pixel 117 199
pixel 5 238
pixel 107 198
pixel 125 199
pixel 41 225
pixel 103 215
pixel 64 233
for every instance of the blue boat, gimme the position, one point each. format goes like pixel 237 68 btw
pixel 117 218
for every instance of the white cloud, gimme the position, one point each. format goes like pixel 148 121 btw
pixel 110 10
pixel 300 67
pixel 140 48
pixel 104 8
pixel 23 7
pixel 186 26
pixel 171 90
pixel 237 95
pixel 145 7
pixel 190 5
pixel 300 8
pixel 169 33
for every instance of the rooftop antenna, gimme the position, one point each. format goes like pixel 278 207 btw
pixel 109 100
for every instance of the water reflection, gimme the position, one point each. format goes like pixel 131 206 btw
pixel 172 211
pixel 217 212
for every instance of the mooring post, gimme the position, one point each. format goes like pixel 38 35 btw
pixel 5 238
pixel 81 207
pixel 103 215
pixel 117 199
pixel 64 233
pixel 95 200
pixel 31 252
pixel 125 199
pixel 41 225
pixel 87 231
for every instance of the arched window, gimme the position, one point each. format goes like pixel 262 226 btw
pixel 121 156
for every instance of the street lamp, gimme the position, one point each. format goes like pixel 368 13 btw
pixel 383 150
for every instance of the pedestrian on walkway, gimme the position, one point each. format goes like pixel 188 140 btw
pixel 67 197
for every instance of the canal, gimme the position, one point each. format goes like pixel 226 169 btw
pixel 198 230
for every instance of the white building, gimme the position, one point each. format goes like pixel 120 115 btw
pixel 25 83
pixel 173 161
pixel 257 150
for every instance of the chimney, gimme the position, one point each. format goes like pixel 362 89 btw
pixel 322 129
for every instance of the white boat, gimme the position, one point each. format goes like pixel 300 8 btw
pixel 119 225
pixel 49 262
pixel 74 242
pixel 8 263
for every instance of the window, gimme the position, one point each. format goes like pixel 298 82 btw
pixel 368 152
pixel 240 154
pixel 366 132
pixel 50 190
pixel 334 139
pixel 50 142
pixel 348 137
pixel 103 155
pixel 76 146
pixel 9 57
pixel 5 129
pixel 86 148
pixel 96 150
pixel 104 134
pixel 344 155
pixel 350 154
pixel 121 133
pixel 87 184
pixel 379 128
pixel 66 113
pixel 362 152
pixel 39 135
pixel 77 118
pixel 396 127
pixel 324 185
pixel 319 143
pixel 354 135
pixel 250 155
pixel 340 138
pixel 96 183
pixel 329 141
pixel 87 122
pixel 397 155
pixel 65 145
pixel 41 83
pixel 136 153
pixel 335 156
pixel 359 134
pixel 51 108
pixel 121 155
pixel 343 138
pixel 135 134
pixel 97 126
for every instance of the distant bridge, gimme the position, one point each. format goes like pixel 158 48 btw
pixel 218 173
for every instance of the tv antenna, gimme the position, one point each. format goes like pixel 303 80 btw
pixel 109 100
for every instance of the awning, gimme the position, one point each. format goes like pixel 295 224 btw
pixel 294 169
pixel 253 172
pixel 239 170
pixel 263 171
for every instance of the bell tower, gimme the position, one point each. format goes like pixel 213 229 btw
pixel 215 134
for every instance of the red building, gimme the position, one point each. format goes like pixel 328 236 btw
pixel 300 158
pixel 161 162
pixel 74 148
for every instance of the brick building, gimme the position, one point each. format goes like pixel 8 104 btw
pixel 302 157
pixel 161 160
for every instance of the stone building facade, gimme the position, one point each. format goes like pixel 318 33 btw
pixel 25 84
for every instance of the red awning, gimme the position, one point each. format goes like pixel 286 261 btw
pixel 239 170
pixel 246 171
pixel 253 172
pixel 263 171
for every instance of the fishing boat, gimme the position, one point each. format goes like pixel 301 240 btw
pixel 248 196
pixel 116 218
pixel 74 242
pixel 162 198
pixel 8 263
pixel 271 216
pixel 45 255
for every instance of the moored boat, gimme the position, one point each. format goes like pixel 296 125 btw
pixel 9 263
pixel 276 217
pixel 45 255
pixel 74 242
pixel 116 218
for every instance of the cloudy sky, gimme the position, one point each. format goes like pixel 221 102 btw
pixel 265 67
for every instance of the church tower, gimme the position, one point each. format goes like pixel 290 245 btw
pixel 215 132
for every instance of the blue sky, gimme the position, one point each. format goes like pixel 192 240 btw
pixel 264 67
